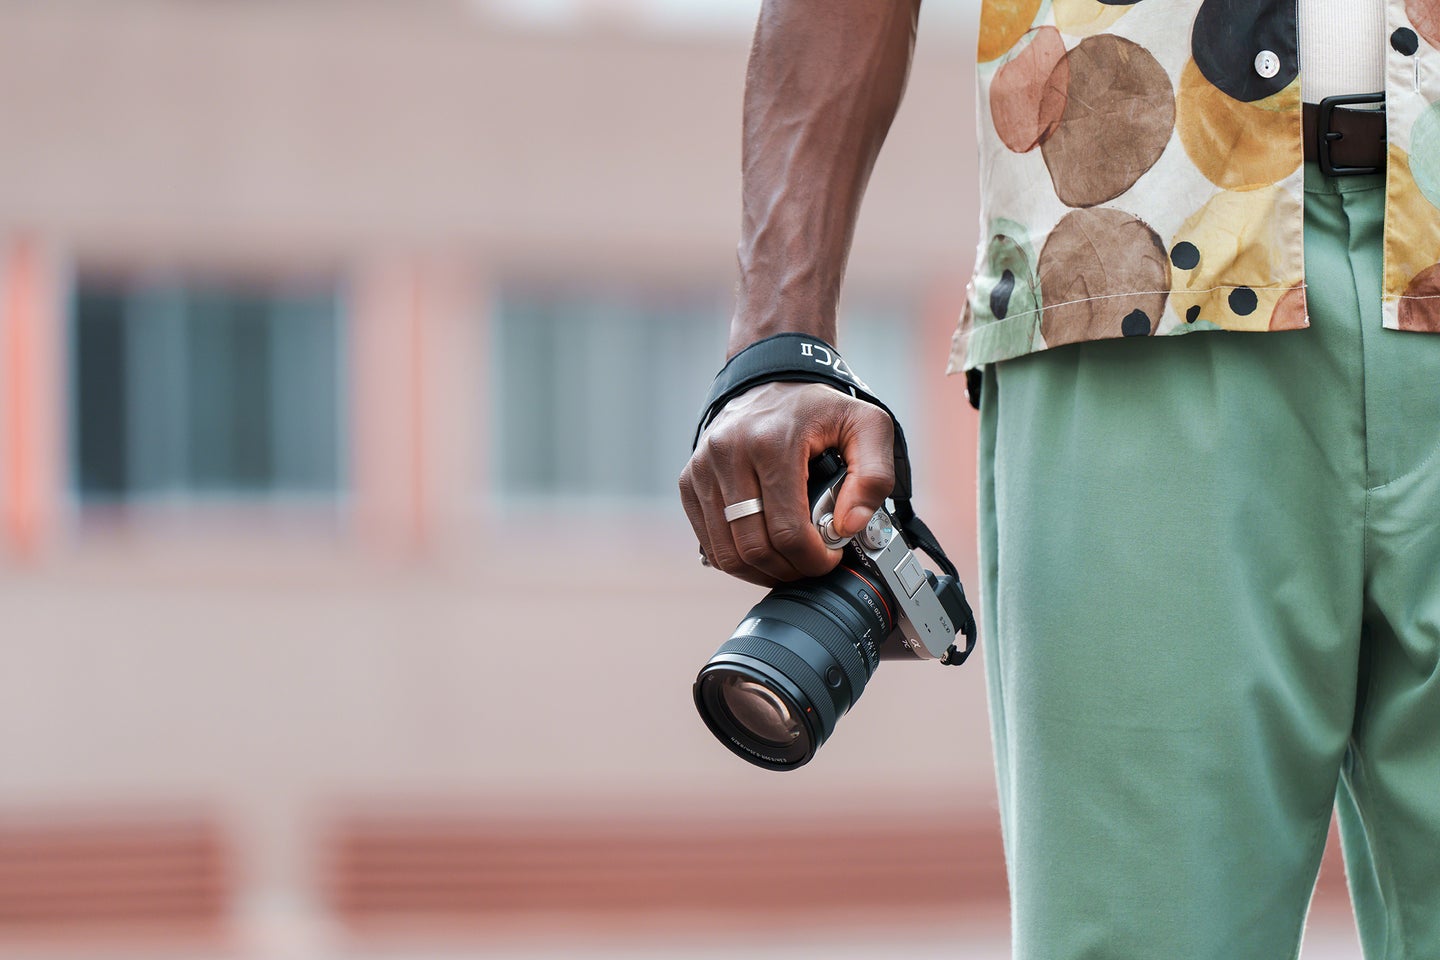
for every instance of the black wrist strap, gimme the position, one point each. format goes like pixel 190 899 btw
pixel 801 358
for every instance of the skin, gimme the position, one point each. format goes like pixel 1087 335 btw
pixel 824 82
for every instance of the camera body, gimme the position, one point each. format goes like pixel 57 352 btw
pixel 926 620
pixel 802 656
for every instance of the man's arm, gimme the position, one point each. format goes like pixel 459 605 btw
pixel 825 80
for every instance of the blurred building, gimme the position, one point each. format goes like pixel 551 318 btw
pixel 348 354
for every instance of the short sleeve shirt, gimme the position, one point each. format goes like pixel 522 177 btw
pixel 1141 172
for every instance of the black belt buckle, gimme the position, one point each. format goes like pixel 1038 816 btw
pixel 1324 136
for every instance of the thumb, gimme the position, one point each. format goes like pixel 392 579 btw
pixel 867 441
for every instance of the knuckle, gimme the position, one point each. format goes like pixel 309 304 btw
pixel 867 417
pixel 753 550
pixel 816 428
pixel 772 437
pixel 702 533
pixel 873 471
pixel 701 481
pixel 728 561
pixel 789 537
pixel 722 449
pixel 874 415
pixel 873 480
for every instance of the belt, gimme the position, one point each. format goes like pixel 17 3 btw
pixel 1345 142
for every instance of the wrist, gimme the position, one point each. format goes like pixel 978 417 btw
pixel 749 327
pixel 791 357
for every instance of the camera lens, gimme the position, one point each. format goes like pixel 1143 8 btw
pixel 759 709
pixel 801 658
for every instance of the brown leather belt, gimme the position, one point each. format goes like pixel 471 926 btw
pixel 1345 142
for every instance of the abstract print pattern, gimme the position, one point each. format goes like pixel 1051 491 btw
pixel 1141 172
pixel 1412 189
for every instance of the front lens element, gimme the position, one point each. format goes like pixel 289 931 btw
pixel 759 710
pixel 756 711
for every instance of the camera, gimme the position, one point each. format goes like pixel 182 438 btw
pixel 802 656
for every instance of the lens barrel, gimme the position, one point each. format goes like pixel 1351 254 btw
pixel 798 661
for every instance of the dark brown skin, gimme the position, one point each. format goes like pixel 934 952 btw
pixel 824 83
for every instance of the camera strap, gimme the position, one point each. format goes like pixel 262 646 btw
pixel 801 358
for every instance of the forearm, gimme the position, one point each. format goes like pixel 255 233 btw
pixel 825 80
pixel 824 83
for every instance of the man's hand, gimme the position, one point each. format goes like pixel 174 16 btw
pixel 825 80
pixel 759 445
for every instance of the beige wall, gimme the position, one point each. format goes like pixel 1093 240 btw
pixel 420 644
pixel 151 128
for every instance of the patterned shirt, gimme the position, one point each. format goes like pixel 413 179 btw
pixel 1141 172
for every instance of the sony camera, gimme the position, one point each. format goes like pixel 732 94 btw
pixel 801 658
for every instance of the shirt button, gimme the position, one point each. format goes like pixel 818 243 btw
pixel 1267 64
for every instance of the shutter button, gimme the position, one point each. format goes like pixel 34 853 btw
pixel 1267 64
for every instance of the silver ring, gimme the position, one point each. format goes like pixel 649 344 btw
pixel 745 508
pixel 704 560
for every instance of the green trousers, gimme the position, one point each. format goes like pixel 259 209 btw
pixel 1211 593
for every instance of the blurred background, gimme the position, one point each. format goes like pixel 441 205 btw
pixel 348 355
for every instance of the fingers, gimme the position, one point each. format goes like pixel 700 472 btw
pixel 867 442
pixel 788 523
pixel 726 475
pixel 760 446
pixel 705 508
pixel 750 535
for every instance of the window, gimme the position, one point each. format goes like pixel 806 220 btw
pixel 595 396
pixel 193 389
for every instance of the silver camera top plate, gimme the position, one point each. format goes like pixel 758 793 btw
pixel 921 620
